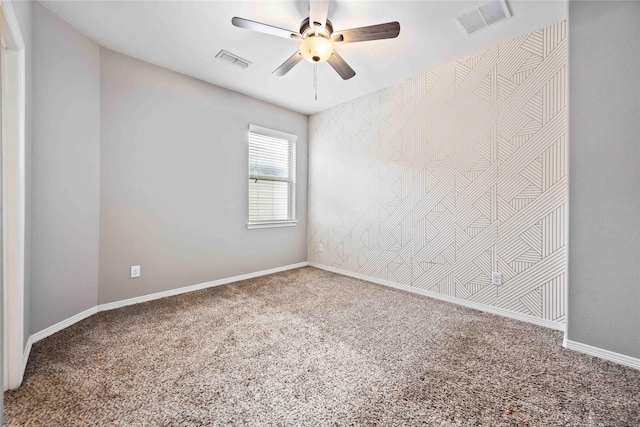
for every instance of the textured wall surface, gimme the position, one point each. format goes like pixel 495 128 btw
pixel 452 174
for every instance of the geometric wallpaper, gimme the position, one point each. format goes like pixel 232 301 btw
pixel 441 179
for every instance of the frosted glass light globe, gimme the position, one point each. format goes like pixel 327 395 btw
pixel 316 49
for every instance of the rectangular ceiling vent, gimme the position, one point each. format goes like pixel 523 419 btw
pixel 483 16
pixel 229 57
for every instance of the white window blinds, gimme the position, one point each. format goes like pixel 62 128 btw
pixel 272 171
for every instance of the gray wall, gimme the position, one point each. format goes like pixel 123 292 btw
pixel 1 281
pixel 171 152
pixel 604 177
pixel 23 12
pixel 65 172
pixel 174 189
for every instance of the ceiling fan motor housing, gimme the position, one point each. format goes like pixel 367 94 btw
pixel 307 30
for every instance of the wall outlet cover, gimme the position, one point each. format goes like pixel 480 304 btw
pixel 320 247
pixel 496 278
pixel 135 271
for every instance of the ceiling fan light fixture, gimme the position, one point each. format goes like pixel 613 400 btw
pixel 316 49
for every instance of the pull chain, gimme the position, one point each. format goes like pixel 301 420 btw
pixel 315 79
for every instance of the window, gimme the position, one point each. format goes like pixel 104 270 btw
pixel 272 183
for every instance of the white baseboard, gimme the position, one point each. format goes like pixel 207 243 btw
pixel 611 356
pixel 52 330
pixel 571 345
pixel 27 352
pixel 178 291
pixel 470 304
pixel 62 325
pixel 112 305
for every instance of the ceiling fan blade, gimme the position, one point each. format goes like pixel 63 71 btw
pixel 264 28
pixel 341 67
pixel 374 32
pixel 288 64
pixel 318 11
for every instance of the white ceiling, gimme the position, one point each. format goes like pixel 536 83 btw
pixel 185 36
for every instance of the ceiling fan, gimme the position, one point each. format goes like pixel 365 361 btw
pixel 317 38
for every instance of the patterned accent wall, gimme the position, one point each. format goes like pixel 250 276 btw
pixel 437 181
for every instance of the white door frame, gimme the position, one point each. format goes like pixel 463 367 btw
pixel 13 195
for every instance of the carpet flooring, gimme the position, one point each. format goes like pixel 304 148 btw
pixel 309 347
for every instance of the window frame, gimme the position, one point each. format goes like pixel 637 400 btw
pixel 291 199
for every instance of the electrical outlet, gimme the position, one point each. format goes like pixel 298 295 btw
pixel 135 271
pixel 320 247
pixel 496 278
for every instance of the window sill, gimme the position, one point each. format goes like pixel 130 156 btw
pixel 254 225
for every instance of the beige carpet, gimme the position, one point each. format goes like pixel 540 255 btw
pixel 308 347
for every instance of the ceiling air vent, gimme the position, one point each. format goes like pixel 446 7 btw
pixel 229 57
pixel 483 16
